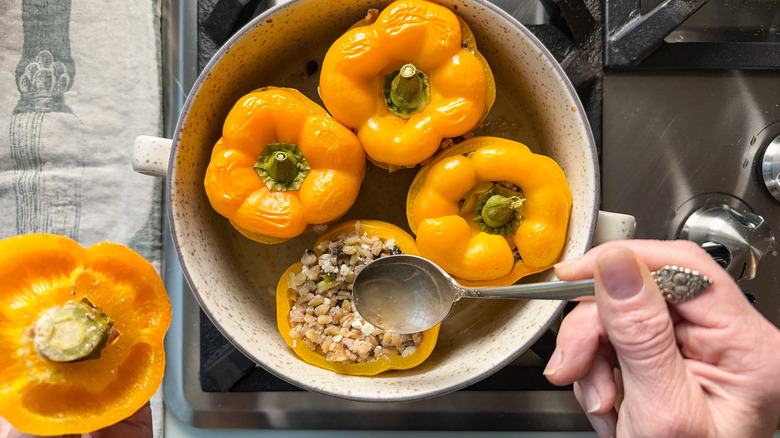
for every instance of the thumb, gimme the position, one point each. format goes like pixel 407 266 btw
pixel 637 321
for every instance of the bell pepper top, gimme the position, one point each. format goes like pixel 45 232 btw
pixel 81 334
pixel 282 166
pixel 489 211
pixel 406 79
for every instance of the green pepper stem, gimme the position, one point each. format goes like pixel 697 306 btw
pixel 406 87
pixel 282 166
pixel 499 210
pixel 406 91
pixel 75 331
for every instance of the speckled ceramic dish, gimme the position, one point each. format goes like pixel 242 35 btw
pixel 234 278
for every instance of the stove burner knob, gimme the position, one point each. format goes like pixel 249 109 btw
pixel 736 239
pixel 770 167
pixel 718 252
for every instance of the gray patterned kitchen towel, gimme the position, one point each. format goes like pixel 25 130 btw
pixel 79 81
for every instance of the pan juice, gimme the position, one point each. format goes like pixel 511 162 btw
pixel 392 307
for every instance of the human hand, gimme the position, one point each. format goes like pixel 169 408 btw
pixel 138 425
pixel 701 368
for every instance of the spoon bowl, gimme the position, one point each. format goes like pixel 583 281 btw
pixel 407 294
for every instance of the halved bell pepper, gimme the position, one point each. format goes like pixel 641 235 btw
pixel 489 211
pixel 282 165
pixel 406 80
pixel 81 334
pixel 285 299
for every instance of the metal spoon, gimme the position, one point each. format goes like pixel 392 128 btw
pixel 408 294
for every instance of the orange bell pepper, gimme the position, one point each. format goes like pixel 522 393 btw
pixel 282 165
pixel 406 80
pixel 489 211
pixel 286 299
pixel 57 377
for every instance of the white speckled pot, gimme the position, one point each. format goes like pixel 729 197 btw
pixel 234 278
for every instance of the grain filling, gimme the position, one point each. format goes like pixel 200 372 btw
pixel 322 315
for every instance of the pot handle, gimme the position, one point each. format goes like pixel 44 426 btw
pixel 151 155
pixel 609 226
pixel 613 226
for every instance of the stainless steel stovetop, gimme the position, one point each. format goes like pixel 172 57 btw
pixel 679 135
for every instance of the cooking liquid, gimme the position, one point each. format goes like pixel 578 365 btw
pixel 387 303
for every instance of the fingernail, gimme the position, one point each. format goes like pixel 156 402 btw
pixel 619 273
pixel 590 397
pixel 555 363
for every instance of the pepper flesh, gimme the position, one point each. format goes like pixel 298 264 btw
pixel 438 43
pixel 270 116
pixel 43 397
pixel 446 231
pixel 284 292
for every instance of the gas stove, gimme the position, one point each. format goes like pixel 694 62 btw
pixel 685 109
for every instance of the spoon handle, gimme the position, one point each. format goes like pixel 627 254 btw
pixel 675 283
pixel 554 290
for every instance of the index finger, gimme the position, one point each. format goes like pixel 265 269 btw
pixel 717 306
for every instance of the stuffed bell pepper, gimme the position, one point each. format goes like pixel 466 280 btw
pixel 489 211
pixel 314 304
pixel 407 79
pixel 81 334
pixel 282 166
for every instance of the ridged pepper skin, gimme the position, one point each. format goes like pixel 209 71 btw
pixel 439 44
pixel 40 396
pixel 372 228
pixel 441 211
pixel 269 116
